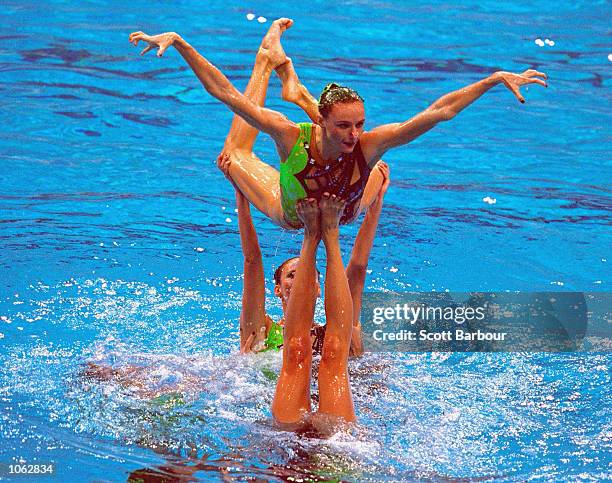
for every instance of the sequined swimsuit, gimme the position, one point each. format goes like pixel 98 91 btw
pixel 300 171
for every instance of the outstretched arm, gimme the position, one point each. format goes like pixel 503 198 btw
pixel 253 320
pixel 376 142
pixel 356 268
pixel 283 131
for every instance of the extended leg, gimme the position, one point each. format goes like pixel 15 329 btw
pixel 292 396
pixel 258 181
pixel 294 91
pixel 334 389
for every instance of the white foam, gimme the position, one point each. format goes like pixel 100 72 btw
pixel 539 42
pixel 489 200
pixel 250 16
pixel 228 220
pixel 262 19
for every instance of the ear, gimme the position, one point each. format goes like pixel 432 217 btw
pixel 277 290
pixel 320 120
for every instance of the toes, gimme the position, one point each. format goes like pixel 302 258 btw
pixel 284 23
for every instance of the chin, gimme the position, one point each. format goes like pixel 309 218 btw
pixel 348 149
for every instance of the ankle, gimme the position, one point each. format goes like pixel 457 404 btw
pixel 262 61
pixel 330 234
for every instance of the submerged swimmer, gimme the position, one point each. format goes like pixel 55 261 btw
pixel 334 154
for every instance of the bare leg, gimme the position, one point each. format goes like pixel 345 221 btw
pixel 292 396
pixel 258 181
pixel 334 389
pixel 270 54
pixel 294 91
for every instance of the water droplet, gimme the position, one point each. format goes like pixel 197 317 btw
pixel 262 19
pixel 539 42
pixel 228 220
pixel 250 16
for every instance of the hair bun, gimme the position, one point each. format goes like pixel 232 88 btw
pixel 329 87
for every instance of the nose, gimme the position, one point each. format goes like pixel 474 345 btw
pixel 355 133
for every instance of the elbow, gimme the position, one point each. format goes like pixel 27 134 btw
pixel 446 114
pixel 253 258
pixel 356 271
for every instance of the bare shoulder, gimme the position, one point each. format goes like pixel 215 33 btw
pixel 370 147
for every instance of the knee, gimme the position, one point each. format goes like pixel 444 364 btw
pixel 335 350
pixel 298 350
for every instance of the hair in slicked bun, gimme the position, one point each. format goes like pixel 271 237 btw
pixel 336 94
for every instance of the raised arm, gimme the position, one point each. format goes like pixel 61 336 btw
pixel 283 131
pixel 376 142
pixel 358 263
pixel 253 319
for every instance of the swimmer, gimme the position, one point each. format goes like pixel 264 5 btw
pixel 291 404
pixel 335 153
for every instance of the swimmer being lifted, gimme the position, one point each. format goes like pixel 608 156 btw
pixel 335 154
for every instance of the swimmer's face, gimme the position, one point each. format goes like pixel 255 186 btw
pixel 344 125
pixel 287 278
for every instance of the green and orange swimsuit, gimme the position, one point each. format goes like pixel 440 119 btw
pixel 300 171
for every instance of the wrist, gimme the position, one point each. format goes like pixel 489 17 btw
pixel 177 40
pixel 494 78
pixel 311 238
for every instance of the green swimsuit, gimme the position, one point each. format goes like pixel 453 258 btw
pixel 274 341
pixel 335 178
pixel 291 189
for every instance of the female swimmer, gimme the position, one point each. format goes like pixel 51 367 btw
pixel 333 155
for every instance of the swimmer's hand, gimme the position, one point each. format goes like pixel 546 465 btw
pixel 252 347
pixel 160 42
pixel 384 170
pixel 223 163
pixel 515 81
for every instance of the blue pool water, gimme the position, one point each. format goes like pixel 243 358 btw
pixel 119 243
